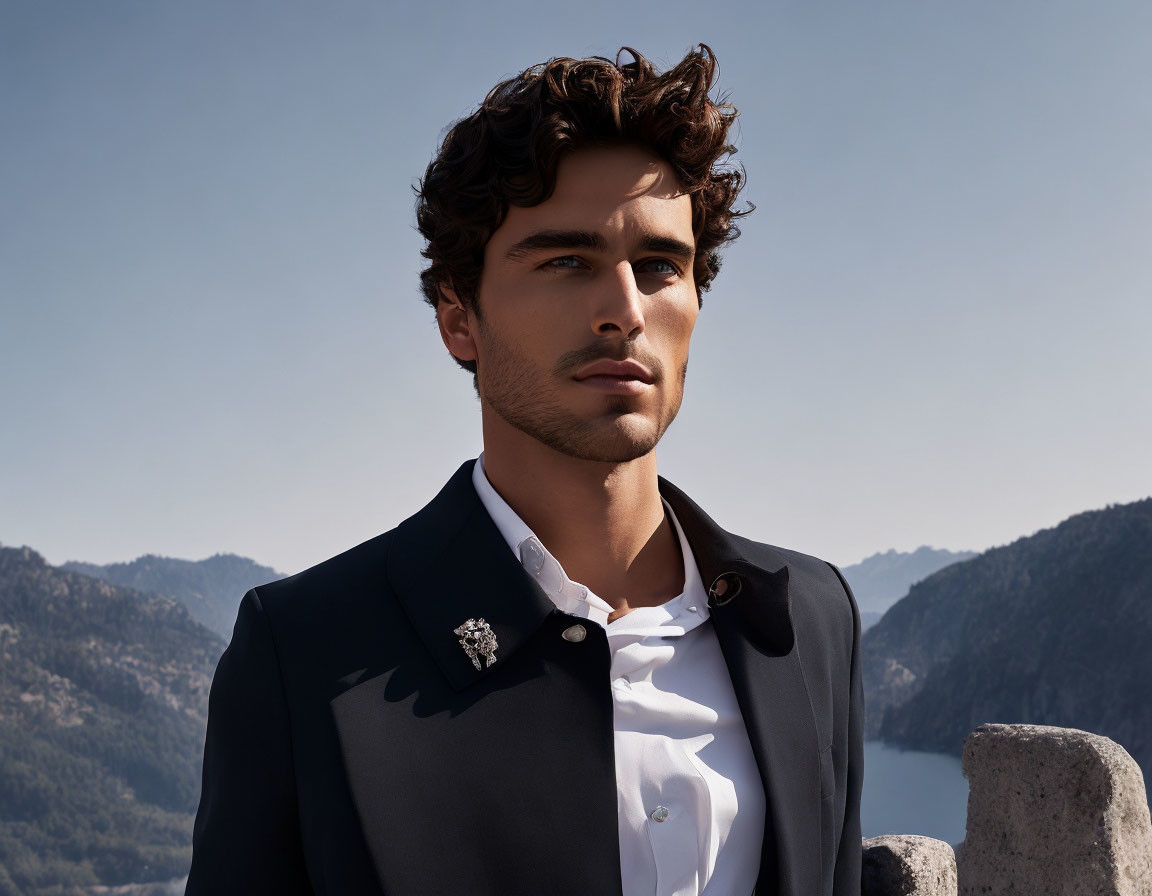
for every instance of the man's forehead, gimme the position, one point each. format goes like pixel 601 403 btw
pixel 604 194
pixel 622 172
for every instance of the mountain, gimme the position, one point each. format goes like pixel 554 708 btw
pixel 103 702
pixel 882 579
pixel 1053 629
pixel 211 589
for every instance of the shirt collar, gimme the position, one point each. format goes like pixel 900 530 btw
pixel 683 612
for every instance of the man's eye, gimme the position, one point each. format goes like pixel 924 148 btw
pixel 567 261
pixel 660 266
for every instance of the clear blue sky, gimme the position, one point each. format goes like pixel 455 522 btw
pixel 935 328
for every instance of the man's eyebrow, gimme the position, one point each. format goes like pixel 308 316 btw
pixel 556 239
pixel 588 239
pixel 668 245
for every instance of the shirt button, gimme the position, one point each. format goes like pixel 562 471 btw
pixel 660 813
pixel 532 556
pixel 574 633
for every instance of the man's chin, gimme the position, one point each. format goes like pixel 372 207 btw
pixel 616 445
pixel 605 438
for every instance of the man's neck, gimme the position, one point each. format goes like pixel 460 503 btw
pixel 604 522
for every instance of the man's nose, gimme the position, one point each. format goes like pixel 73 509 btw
pixel 619 303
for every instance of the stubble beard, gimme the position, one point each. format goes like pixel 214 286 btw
pixel 528 402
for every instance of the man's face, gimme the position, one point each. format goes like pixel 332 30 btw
pixel 600 271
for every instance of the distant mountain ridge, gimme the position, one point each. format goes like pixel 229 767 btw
pixel 211 589
pixel 882 579
pixel 103 703
pixel 1052 629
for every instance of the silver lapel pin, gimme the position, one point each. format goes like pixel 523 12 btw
pixel 477 639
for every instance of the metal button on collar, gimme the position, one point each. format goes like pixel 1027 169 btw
pixel 660 813
pixel 726 587
pixel 574 633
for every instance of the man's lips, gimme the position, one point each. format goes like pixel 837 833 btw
pixel 621 371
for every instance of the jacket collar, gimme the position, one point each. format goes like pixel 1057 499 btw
pixel 449 563
pixel 732 564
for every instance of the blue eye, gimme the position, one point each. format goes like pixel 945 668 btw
pixel 669 268
pixel 567 261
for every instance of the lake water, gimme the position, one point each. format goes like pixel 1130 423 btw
pixel 911 792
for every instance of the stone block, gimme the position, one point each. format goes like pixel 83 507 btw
pixel 1053 811
pixel 906 865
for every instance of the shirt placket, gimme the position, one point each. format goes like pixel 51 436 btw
pixel 672 831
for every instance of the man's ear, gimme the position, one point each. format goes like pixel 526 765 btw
pixel 455 325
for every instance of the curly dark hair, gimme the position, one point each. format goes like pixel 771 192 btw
pixel 507 152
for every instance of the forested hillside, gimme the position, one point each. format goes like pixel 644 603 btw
pixel 1053 629
pixel 103 703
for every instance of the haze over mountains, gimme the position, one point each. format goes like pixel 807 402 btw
pixel 1053 629
pixel 882 579
pixel 211 589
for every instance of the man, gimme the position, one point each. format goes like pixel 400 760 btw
pixel 560 676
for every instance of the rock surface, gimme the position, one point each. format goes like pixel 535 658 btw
pixel 1054 811
pixel 904 865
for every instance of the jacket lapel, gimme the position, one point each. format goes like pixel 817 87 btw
pixel 753 622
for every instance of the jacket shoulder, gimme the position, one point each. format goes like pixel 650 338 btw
pixel 815 586
pixel 362 569
pixel 805 570
pixel 322 587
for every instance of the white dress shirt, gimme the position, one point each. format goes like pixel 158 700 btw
pixel 690 800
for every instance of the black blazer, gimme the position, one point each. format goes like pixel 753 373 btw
pixel 353 748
